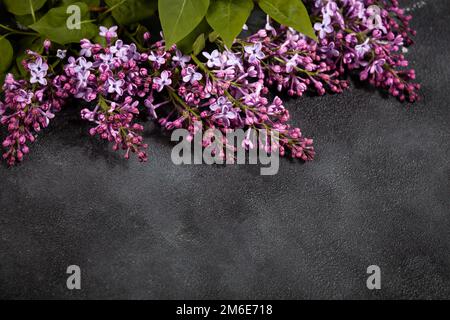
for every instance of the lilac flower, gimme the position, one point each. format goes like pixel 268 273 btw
pixel 38 67
pixel 377 66
pixel 181 59
pixel 24 97
pixel 47 115
pixel 83 65
pixel 132 52
pixel 330 50
pixel 38 70
pixel 106 60
pixel 324 27
pixel 86 93
pixel 330 9
pixel 86 48
pixel 121 51
pixel 224 111
pixel 157 58
pixel 398 41
pixel 124 54
pixel 220 103
pixel 61 54
pixel 292 63
pixel 191 75
pixel 82 79
pixel 214 59
pixel 374 21
pixel 89 115
pixel 233 59
pixel 227 114
pixel 357 10
pixel 163 81
pixel 115 86
pixel 108 33
pixel 38 78
pixel 362 49
pixel 254 53
pixel 252 73
pixel 116 47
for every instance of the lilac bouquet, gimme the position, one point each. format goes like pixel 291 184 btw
pixel 225 88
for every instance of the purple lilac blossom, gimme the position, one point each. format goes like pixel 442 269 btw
pixel 229 90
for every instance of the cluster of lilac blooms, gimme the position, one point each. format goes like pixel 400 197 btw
pixel 28 107
pixel 225 89
pixel 363 37
pixel 114 79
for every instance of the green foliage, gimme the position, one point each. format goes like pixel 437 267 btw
pixel 28 19
pixel 227 17
pixel 131 11
pixel 291 13
pixel 23 7
pixel 199 44
pixel 6 54
pixel 90 3
pixel 180 17
pixel 53 25
pixel 24 24
pixel 187 44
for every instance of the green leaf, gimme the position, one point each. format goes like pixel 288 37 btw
pixel 23 7
pixel 130 11
pixel 53 25
pixel 6 54
pixel 290 13
pixel 27 19
pixel 199 44
pixel 90 3
pixel 186 45
pixel 180 17
pixel 213 36
pixel 227 17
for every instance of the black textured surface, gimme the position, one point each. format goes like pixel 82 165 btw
pixel 378 193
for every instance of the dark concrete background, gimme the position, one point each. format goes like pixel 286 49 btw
pixel 378 193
